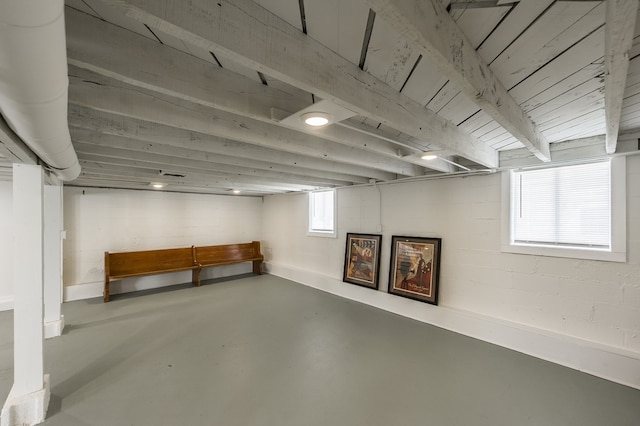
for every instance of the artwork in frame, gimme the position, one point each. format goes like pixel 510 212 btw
pixel 362 260
pixel 415 268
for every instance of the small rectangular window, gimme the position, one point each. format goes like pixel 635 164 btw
pixel 576 211
pixel 322 213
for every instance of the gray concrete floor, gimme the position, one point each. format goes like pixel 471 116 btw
pixel 260 350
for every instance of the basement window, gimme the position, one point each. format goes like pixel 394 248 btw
pixel 322 212
pixel 576 211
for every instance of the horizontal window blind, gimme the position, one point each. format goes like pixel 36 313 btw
pixel 564 206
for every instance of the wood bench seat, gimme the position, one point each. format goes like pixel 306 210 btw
pixel 206 256
pixel 151 262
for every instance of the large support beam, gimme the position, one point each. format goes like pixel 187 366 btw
pixel 53 228
pixel 430 28
pixel 619 27
pixel 29 397
pixel 247 33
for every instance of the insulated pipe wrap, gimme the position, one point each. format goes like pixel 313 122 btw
pixel 33 80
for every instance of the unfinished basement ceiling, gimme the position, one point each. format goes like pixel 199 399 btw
pixel 203 95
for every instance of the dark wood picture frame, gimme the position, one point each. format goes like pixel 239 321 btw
pixel 362 260
pixel 415 268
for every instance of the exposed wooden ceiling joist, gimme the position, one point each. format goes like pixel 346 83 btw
pixel 431 29
pixel 278 49
pixel 620 24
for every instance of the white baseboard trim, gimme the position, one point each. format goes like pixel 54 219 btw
pixel 82 291
pixel 6 303
pixel 54 328
pixel 607 362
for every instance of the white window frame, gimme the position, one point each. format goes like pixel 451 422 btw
pixel 323 233
pixel 618 248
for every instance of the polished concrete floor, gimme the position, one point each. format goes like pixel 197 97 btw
pixel 260 350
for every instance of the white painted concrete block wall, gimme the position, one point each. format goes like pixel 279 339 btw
pixel 99 220
pixel 590 300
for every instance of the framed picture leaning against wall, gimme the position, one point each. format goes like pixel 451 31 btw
pixel 362 260
pixel 415 268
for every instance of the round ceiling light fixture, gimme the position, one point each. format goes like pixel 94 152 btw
pixel 316 119
pixel 429 156
pixel 157 185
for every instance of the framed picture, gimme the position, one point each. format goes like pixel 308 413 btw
pixel 415 268
pixel 362 260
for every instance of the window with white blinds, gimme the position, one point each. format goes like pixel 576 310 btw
pixel 322 213
pixel 562 206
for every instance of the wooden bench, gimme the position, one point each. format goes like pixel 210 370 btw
pixel 206 256
pixel 152 262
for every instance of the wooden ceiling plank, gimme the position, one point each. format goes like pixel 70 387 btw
pixel 155 133
pixel 547 38
pixel 300 61
pixel 621 21
pixel 569 103
pixel 588 52
pixel 590 75
pixel 427 26
pixel 425 82
pixel 459 109
pixel 513 25
pixel 338 24
pixel 477 23
pixel 135 103
pixel 477 121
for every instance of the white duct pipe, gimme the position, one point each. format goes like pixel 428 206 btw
pixel 33 80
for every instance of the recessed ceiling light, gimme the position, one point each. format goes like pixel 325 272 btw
pixel 236 191
pixel 157 185
pixel 429 157
pixel 316 119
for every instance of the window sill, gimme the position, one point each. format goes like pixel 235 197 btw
pixel 323 234
pixel 568 252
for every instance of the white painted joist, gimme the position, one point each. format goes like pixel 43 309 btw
pixel 146 173
pixel 620 24
pixel 584 148
pixel 186 151
pixel 137 103
pixel 207 164
pixel 430 28
pixel 251 35
pixel 195 175
pixel 160 134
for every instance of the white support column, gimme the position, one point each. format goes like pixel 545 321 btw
pixel 29 397
pixel 53 228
